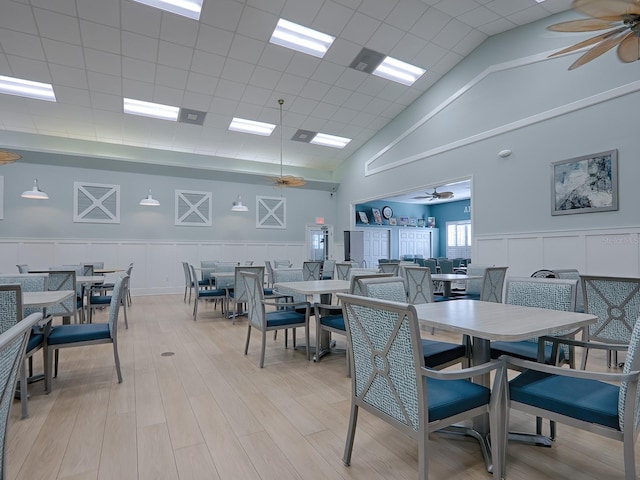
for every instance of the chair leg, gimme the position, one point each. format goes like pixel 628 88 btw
pixel 126 321
pixel 116 357
pixel 195 308
pixel 307 340
pixel 55 373
pixel 24 395
pixel 263 347
pixel 629 456
pixel 351 432
pixel 246 345
pixel 48 369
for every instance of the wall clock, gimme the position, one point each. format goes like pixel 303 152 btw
pixel 387 212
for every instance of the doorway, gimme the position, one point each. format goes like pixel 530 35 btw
pixel 319 242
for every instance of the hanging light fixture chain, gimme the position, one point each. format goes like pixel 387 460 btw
pixel 281 102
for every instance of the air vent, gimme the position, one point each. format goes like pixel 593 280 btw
pixel 304 136
pixel 367 60
pixel 193 117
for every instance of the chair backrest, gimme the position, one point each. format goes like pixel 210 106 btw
pixel 282 263
pixel 475 286
pixel 23 268
pixel 361 271
pixel 572 274
pixel 616 303
pixel 631 364
pixel 355 286
pixel 10 306
pixel 446 266
pixel 431 264
pixel 493 284
pixel 386 357
pixel 207 267
pixel 342 270
pixel 391 288
pixel 120 287
pixel 311 270
pixel 255 294
pixel 62 280
pixel 87 270
pixel 187 274
pixel 419 285
pixel 194 277
pixel 267 264
pixel 456 262
pixel 13 343
pixel 328 267
pixel 289 275
pixel 29 282
pixel 389 268
pixel 239 292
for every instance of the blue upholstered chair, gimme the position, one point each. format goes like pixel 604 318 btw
pixel 616 303
pixel 601 403
pixel 311 270
pixel 572 274
pixel 286 316
pixel 390 381
pixel 29 282
pixel 490 288
pixel 188 281
pixel 13 343
pixel 67 336
pixel 215 294
pixel 237 294
pixel 62 280
pixel 99 299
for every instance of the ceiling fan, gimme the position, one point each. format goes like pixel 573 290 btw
pixel 285 180
pixel 435 195
pixel 621 19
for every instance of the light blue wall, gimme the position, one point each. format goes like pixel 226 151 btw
pixel 54 218
pixel 449 212
pixel 539 110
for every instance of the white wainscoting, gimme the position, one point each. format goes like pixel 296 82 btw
pixel 614 252
pixel 157 265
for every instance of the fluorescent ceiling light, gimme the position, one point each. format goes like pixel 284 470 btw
pixel 186 8
pixel 153 110
pixel 250 126
pixel 398 71
pixel 27 88
pixel 330 140
pixel 291 35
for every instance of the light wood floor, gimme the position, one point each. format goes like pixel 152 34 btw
pixel 208 412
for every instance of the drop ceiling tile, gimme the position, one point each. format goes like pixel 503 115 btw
pixel 246 49
pixel 332 18
pixel 99 11
pixel 391 91
pixel 207 63
pixel 100 82
pixel 256 24
pixel 470 42
pixel 430 24
pixel 372 85
pixel 214 40
pixel 291 84
pixel 28 69
pixel 351 79
pixel 429 55
pixel 385 38
pixel 49 125
pixel 408 48
pixel 100 37
pixel 556 6
pixel 16 16
pixel 63 53
pixel 265 77
pixel 314 90
pixel 379 107
pixel 229 89
pixel 508 7
pixel 497 26
pixel 328 72
pixel 203 84
pixel 66 7
pixel 447 62
pixel 276 57
pixel 358 101
pixel 342 52
pixel 20 123
pixel 236 70
pixel 103 62
pixel 196 101
pixel 406 14
pixel 325 110
pixel 360 28
pixel 135 69
pixel 273 6
pixel 141 19
pixel 456 7
pixel 57 27
pixel 301 11
pixel 73 96
pixel 68 76
pixel 105 101
pixel 337 95
pixel 171 77
pixel 179 29
pixel 222 13
pixel 21 44
pixel 378 9
pixel 173 55
pixel 528 15
pixel 479 16
pixel 4 65
pixel 168 95
pixel 451 34
pixel 139 46
pixel 255 95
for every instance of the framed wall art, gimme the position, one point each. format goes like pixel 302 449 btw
pixel 363 217
pixel 585 184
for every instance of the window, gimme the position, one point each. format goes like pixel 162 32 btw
pixel 459 239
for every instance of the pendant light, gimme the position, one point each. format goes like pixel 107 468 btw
pixel 149 201
pixel 35 193
pixel 238 206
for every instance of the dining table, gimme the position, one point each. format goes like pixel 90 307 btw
pixel 45 299
pixel 448 278
pixel 487 321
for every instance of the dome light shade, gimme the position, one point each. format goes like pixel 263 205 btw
pixel 149 201
pixel 238 206
pixel 35 193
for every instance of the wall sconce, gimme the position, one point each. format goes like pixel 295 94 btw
pixel 35 193
pixel 149 201
pixel 238 206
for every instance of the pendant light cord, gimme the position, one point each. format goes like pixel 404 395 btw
pixel 280 102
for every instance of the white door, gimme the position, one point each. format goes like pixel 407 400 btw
pixel 412 241
pixel 376 245
pixel 319 242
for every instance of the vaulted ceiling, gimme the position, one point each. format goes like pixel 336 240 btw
pixel 95 52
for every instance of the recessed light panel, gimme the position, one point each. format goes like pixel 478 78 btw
pixel 251 126
pixel 186 8
pixel 27 88
pixel 398 71
pixel 330 140
pixel 302 39
pixel 153 110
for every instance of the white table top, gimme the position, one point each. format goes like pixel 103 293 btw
pixel 90 279
pixel 315 287
pixel 108 270
pixel 498 321
pixel 453 277
pixel 45 299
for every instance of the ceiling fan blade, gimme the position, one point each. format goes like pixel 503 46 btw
pixel 445 194
pixel 422 197
pixel 587 42
pixel 598 50
pixel 586 25
pixel 606 8
pixel 629 48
